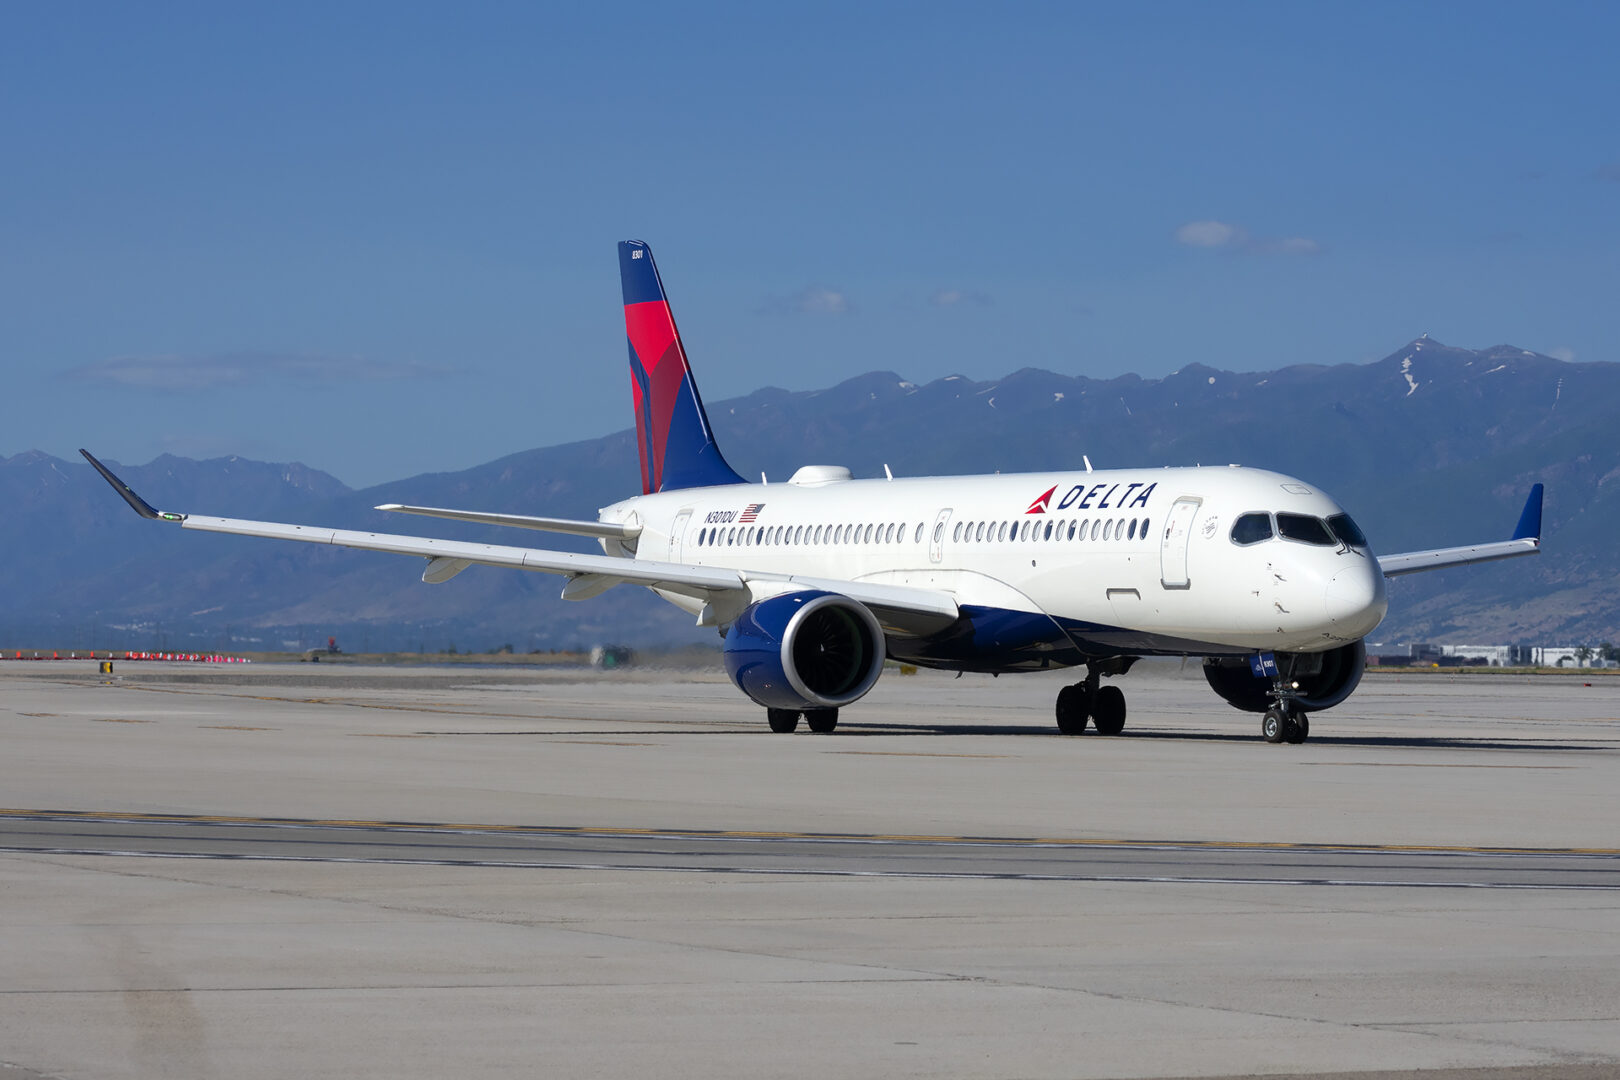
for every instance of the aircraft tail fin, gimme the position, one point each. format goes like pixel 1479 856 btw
pixel 672 431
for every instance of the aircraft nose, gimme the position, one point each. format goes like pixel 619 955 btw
pixel 1356 599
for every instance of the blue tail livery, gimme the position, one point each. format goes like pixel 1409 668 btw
pixel 672 430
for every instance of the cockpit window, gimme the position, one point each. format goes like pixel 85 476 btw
pixel 1251 529
pixel 1305 529
pixel 1348 532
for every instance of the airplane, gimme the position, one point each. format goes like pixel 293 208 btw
pixel 815 582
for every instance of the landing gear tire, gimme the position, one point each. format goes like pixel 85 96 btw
pixel 1108 710
pixel 782 721
pixel 1299 729
pixel 821 721
pixel 1274 725
pixel 1071 710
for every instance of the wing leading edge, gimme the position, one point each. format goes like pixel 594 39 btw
pixel 1526 540
pixel 588 574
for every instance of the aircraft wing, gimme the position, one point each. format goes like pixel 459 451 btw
pixel 1526 541
pixel 522 521
pixel 589 574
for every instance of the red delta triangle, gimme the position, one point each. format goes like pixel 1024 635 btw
pixel 1040 504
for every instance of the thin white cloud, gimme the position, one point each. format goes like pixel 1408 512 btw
pixel 811 300
pixel 210 372
pixel 1564 353
pixel 960 298
pixel 1225 236
pixel 1211 234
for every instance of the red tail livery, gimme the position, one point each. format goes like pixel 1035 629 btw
pixel 672 430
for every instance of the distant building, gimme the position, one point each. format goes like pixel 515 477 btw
pixel 1427 654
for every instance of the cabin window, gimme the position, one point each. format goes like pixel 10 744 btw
pixel 939 532
pixel 1071 530
pixel 918 539
pixel 815 537
pixel 1143 531
pixel 1305 529
pixel 888 533
pixel 1096 528
pixel 1251 529
pixel 956 533
pixel 1108 530
pixel 1130 534
pixel 1348 532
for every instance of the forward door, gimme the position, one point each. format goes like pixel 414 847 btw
pixel 1173 545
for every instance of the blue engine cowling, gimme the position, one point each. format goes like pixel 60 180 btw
pixel 1323 680
pixel 805 650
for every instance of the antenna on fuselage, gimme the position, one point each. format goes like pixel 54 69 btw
pixel 762 479
pixel 1087 461
pixel 886 471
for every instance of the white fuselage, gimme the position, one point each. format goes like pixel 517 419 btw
pixel 1129 561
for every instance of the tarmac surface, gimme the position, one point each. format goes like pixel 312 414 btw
pixel 332 870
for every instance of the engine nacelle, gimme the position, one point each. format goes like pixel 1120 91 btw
pixel 805 650
pixel 1324 678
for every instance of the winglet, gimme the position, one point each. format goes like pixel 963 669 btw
pixel 1530 521
pixel 138 504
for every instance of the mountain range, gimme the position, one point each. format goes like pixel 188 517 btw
pixel 1431 446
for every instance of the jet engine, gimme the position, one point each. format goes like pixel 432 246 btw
pixel 1324 679
pixel 805 650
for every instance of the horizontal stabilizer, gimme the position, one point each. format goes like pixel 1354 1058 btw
pixel 607 529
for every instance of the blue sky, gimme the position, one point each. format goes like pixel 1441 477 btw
pixel 378 238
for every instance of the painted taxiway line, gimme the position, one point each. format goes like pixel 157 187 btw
pixel 1115 879
pixel 745 835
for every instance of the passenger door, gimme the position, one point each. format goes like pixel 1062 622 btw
pixel 1173 545
pixel 677 534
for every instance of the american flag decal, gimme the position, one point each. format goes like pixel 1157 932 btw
pixel 750 513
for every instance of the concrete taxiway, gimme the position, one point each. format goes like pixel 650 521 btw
pixel 380 872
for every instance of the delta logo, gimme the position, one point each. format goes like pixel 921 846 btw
pixel 1082 499
pixel 1039 505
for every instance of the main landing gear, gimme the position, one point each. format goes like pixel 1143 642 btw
pixel 821 721
pixel 1104 706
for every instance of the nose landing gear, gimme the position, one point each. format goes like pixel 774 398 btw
pixel 1285 722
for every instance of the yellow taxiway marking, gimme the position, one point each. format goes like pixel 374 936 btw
pixel 117 720
pixel 750 834
pixel 235 727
